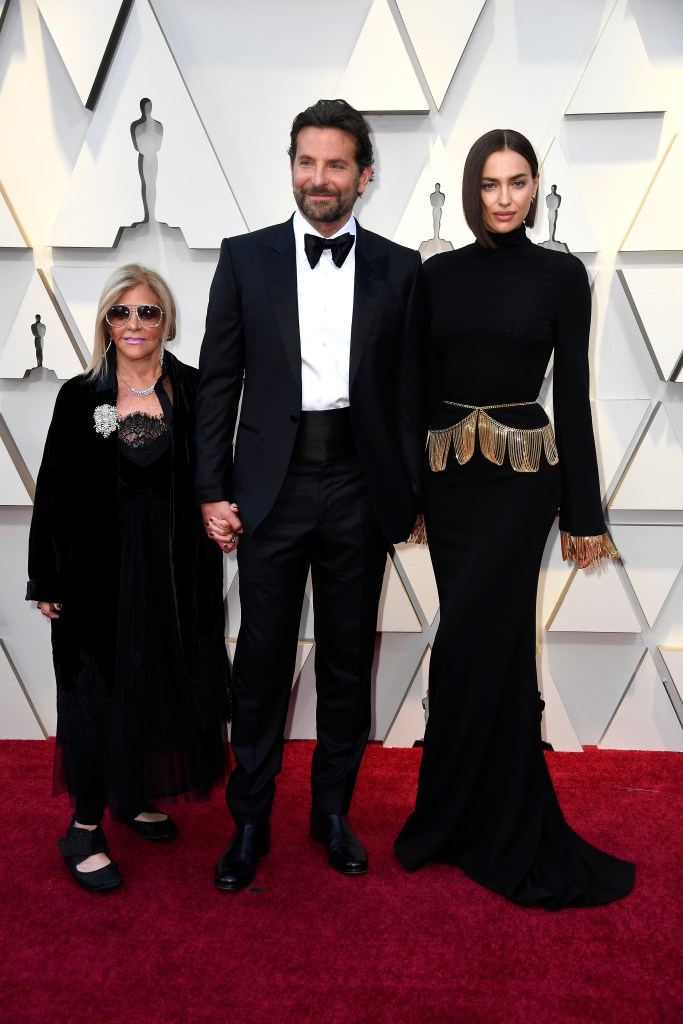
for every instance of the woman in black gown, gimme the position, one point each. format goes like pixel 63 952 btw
pixel 496 478
pixel 120 563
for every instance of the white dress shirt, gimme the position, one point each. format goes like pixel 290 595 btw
pixel 325 297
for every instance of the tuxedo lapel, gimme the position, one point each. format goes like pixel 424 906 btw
pixel 279 262
pixel 369 283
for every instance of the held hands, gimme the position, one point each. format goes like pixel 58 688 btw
pixel 222 524
pixel 49 609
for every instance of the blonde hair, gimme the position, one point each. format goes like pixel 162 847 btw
pixel 129 276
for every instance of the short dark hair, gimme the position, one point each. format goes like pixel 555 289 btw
pixel 335 114
pixel 492 142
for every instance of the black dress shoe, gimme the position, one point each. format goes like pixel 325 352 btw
pixel 237 866
pixel 345 852
pixel 163 831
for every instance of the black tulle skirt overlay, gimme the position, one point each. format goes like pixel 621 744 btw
pixel 147 740
pixel 485 801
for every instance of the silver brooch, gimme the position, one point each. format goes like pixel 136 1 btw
pixel 106 419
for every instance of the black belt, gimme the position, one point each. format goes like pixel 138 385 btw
pixel 323 436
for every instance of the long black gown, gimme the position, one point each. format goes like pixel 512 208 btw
pixel 485 801
pixel 139 653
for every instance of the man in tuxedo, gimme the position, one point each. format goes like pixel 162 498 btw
pixel 316 324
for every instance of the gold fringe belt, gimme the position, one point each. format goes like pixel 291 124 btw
pixel 524 449
pixel 522 445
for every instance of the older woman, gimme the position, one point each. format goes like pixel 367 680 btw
pixel 496 478
pixel 120 563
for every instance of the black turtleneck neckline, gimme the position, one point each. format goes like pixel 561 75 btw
pixel 507 240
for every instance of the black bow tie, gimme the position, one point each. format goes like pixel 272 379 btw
pixel 340 246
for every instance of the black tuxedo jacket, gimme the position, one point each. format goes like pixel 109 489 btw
pixel 251 350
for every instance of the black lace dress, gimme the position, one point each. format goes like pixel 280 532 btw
pixel 156 747
pixel 117 541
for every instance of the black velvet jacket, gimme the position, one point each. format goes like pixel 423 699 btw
pixel 74 551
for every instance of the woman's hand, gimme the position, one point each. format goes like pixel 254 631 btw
pixel 49 609
pixel 222 524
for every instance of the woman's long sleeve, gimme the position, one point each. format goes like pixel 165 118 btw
pixel 48 539
pixel 582 521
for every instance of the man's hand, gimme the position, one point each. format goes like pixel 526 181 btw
pixel 222 523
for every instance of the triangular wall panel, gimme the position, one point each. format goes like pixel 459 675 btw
pixel 18 719
pixel 26 407
pixel 439 31
pixel 615 425
pixel 396 612
pixel 78 290
pixel 417 224
pixel 10 235
pixel 556 725
pixel 591 677
pixel 12 490
pixel 397 657
pixel 379 75
pixel 19 351
pixel 104 192
pixel 595 603
pixel 621 366
pixel 658 224
pixel 417 564
pixel 618 78
pixel 572 225
pixel 653 558
pixel 674 410
pixel 673 657
pixel 645 719
pixel 409 724
pixel 81 30
pixel 654 480
pixel 553 579
pixel 656 294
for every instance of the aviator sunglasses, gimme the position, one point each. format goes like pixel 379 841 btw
pixel 120 314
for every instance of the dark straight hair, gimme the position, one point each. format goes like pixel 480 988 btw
pixel 335 114
pixel 492 142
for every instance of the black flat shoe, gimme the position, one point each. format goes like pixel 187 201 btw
pixel 345 852
pixel 164 831
pixel 80 843
pixel 237 866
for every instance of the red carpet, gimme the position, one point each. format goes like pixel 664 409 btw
pixel 315 946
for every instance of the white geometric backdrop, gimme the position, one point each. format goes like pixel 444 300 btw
pixel 206 92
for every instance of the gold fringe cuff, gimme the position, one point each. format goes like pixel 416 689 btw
pixel 577 549
pixel 522 445
pixel 420 535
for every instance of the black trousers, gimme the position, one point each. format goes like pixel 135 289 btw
pixel 322 520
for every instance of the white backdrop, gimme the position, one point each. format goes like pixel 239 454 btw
pixel 596 84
